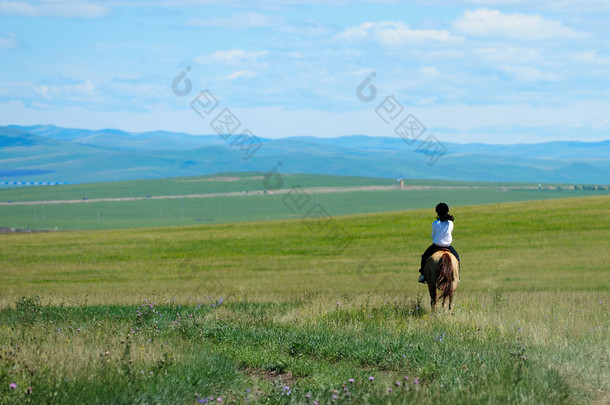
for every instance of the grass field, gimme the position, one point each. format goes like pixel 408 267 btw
pixel 240 197
pixel 326 309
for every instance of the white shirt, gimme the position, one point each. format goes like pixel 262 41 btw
pixel 441 233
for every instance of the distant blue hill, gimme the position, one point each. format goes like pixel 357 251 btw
pixel 50 153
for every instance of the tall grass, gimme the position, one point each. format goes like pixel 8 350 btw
pixel 496 348
pixel 277 313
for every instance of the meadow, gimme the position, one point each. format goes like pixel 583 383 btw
pixel 241 197
pixel 324 310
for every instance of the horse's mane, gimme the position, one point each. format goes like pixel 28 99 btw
pixel 446 275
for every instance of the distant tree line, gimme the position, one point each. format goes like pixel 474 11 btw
pixel 576 187
pixel 591 187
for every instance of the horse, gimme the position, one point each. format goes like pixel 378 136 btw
pixel 441 272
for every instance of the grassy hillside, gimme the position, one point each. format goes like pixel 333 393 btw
pixel 296 311
pixel 566 238
pixel 215 183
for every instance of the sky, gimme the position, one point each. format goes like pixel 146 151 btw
pixel 491 71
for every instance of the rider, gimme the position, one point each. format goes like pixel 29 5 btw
pixel 441 236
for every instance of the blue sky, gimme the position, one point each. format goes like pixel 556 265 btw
pixel 493 71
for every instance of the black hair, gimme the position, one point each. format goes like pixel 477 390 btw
pixel 442 210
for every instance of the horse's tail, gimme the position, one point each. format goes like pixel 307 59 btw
pixel 445 281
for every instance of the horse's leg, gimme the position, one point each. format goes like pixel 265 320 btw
pixel 432 290
pixel 454 285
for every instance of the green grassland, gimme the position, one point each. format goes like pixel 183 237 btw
pixel 246 200
pixel 293 311
pixel 208 184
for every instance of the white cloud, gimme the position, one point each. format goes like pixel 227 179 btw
pixel 570 6
pixel 233 57
pixel 236 21
pixel 530 74
pixel 243 21
pixel 269 4
pixel 306 28
pixel 590 57
pixel 43 91
pixel 485 23
pixel 68 91
pixel 429 71
pixel 138 88
pixel 509 55
pixel 246 74
pixel 52 8
pixel 59 87
pixel 393 34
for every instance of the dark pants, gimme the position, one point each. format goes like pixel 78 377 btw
pixel 431 250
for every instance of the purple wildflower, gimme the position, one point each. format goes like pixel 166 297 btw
pixel 416 381
pixel 351 380
pixel 12 385
pixel 371 378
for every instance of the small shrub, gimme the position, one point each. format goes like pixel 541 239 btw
pixel 146 314
pixel 28 309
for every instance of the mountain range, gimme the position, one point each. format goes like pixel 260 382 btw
pixel 52 154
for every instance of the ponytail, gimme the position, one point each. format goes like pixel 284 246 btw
pixel 442 211
pixel 445 217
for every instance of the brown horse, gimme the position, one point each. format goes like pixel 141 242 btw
pixel 442 272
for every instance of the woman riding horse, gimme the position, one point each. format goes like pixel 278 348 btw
pixel 441 237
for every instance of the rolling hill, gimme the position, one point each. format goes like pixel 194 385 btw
pixel 50 153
